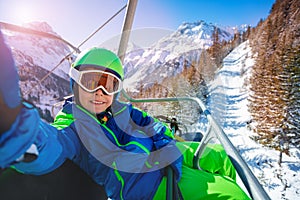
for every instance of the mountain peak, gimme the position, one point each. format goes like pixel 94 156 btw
pixel 194 28
pixel 40 26
pixel 202 30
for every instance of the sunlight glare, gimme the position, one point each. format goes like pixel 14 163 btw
pixel 24 13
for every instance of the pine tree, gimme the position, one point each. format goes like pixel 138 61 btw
pixel 274 102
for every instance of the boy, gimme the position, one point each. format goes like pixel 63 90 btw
pixel 119 146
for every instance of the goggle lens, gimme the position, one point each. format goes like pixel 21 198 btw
pixel 92 80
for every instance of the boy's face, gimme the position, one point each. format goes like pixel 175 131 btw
pixel 98 101
pixel 95 102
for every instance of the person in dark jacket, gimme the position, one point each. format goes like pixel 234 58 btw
pixel 119 146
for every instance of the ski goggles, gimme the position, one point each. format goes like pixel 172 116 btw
pixel 93 80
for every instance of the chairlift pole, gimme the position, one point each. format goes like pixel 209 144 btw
pixel 130 12
pixel 131 6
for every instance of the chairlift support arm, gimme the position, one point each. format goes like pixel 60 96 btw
pixel 13 27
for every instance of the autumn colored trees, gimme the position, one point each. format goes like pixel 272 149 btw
pixel 275 81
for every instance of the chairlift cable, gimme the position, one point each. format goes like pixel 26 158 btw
pixel 48 74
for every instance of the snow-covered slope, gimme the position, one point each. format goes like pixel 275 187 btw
pixel 228 103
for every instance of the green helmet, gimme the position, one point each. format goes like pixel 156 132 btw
pixel 102 58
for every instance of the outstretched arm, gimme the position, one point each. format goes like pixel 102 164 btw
pixel 22 131
pixel 10 100
pixel 7 115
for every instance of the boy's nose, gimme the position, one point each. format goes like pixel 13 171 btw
pixel 100 92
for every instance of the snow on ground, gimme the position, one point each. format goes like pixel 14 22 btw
pixel 228 104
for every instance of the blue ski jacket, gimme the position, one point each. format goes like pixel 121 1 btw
pixel 123 149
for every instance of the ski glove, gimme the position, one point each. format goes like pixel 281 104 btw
pixel 9 78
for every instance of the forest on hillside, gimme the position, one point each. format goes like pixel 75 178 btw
pixel 275 81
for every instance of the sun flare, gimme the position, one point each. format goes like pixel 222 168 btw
pixel 24 13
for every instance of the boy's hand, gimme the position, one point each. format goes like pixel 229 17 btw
pixel 10 99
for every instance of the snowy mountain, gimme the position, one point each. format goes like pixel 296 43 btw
pixel 36 58
pixel 167 57
pixel 44 52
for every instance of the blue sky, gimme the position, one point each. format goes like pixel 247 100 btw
pixel 76 20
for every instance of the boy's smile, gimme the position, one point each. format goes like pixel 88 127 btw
pixel 95 102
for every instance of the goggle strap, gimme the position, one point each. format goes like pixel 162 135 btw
pixel 73 73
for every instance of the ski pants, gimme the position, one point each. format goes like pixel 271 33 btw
pixel 215 180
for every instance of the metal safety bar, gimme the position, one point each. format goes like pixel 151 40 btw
pixel 254 188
